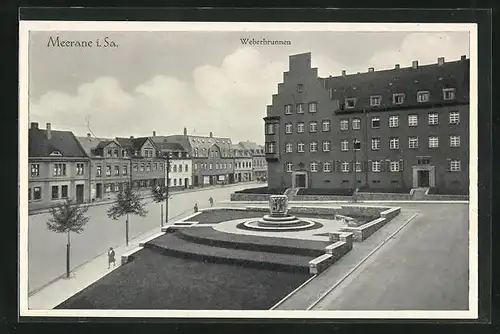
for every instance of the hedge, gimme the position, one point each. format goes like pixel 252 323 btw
pixel 262 190
pixel 443 191
pixel 385 190
pixel 325 191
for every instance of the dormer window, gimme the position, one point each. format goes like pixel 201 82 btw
pixel 56 153
pixel 375 100
pixel 449 93
pixel 398 98
pixel 423 96
pixel 350 103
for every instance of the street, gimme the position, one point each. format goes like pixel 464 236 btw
pixel 46 249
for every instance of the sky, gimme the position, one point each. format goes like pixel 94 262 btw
pixel 204 81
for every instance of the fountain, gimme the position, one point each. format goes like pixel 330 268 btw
pixel 278 217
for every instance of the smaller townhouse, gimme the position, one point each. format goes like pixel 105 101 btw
pixel 58 168
pixel 259 163
pixel 243 163
pixel 147 165
pixel 181 165
pixel 109 167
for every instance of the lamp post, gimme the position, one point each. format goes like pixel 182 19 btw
pixel 356 146
pixel 167 172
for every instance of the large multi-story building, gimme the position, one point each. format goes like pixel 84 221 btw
pixel 109 167
pixel 259 164
pixel 403 127
pixel 58 168
pixel 147 164
pixel 243 163
pixel 212 162
pixel 180 174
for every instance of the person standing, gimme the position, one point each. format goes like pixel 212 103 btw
pixel 111 257
pixel 211 201
pixel 195 209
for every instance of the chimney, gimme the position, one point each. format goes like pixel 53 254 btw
pixel 154 133
pixel 414 64
pixel 89 136
pixel 396 66
pixel 463 57
pixel 131 137
pixel 343 73
pixel 371 69
pixel 185 131
pixel 211 134
pixel 34 125
pixel 48 131
pixel 440 60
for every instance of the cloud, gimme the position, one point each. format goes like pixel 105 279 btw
pixel 424 47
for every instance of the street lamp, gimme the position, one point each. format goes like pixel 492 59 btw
pixel 167 195
pixel 356 146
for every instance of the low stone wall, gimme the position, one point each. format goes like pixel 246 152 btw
pixel 321 198
pixel 358 210
pixel 300 210
pixel 320 264
pixel 249 197
pixel 362 232
pixel 129 256
pixel 390 214
pixel 362 196
pixel 446 198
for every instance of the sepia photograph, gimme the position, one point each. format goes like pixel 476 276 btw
pixel 270 170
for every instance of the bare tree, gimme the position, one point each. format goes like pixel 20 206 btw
pixel 66 218
pixel 161 195
pixel 127 203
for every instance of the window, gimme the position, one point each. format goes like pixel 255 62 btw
pixel 155 166
pixel 288 148
pixel 110 152
pixel 35 170
pixel 300 147
pixel 175 182
pixel 99 170
pixel 393 121
pixel 454 165
pixel 210 166
pixel 412 120
pixel 358 167
pixel 454 141
pixel 108 170
pixel 394 166
pixel 412 142
pixel 79 169
pixel 300 127
pixel 345 166
pixel 299 107
pixel 180 182
pixel 230 165
pixel 433 118
pixel 376 166
pixel 117 170
pixel 180 168
pixel 148 167
pixel 344 125
pixel 196 152
pixel 356 123
pixel 325 126
pixel 394 143
pixel 141 168
pixel 375 144
pixel 115 153
pixel 289 166
pixel 375 100
pixel 314 167
pixel 55 192
pixel 327 167
pixel 37 193
pixel 125 170
pixel 398 98
pixel 300 88
pixel 313 107
pixel 64 191
pixel 288 128
pixel 423 161
pixel 269 131
pixel 350 103
pixel 454 117
pixel 433 142
pixel 375 122
pixel 186 168
pixel 204 150
pixel 423 96
pixel 449 93
pixel 344 145
pixel 326 145
pixel 271 147
pixel 313 126
pixel 288 109
pixel 356 145
pixel 59 170
pixel 174 168
pixel 313 146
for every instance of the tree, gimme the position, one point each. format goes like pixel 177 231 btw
pixel 161 195
pixel 127 203
pixel 66 218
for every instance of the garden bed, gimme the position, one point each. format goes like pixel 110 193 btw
pixel 262 190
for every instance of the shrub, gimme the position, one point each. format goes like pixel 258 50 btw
pixel 325 191
pixel 262 190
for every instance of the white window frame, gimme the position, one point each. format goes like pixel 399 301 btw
pixel 313 107
pixel 433 118
pixel 413 142
pixel 421 94
pixel 350 102
pixel 356 123
pixel 270 128
pixel 344 145
pixel 313 126
pixel 289 167
pixel 393 121
pixel 375 147
pixel 358 167
pixel 344 125
pixel 314 167
pixel 394 166
pixel 300 147
pixel 452 92
pixel 454 117
pixel 354 145
pixel 289 148
pixel 300 127
pixel 313 146
pixel 299 107
pixel 288 109
pixel 327 167
pixel 412 120
pixel 395 96
pixel 288 128
pixel 432 140
pixel 394 143
pixel 455 141
pixel 325 126
pixel 455 165
pixel 376 166
pixel 375 100
pixel 326 145
pixel 344 166
pixel 375 118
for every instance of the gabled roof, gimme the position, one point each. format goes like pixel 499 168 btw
pixel 132 143
pixel 202 142
pixel 168 144
pixel 433 78
pixel 64 142
pixel 89 144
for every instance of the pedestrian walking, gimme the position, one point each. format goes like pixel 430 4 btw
pixel 196 207
pixel 211 201
pixel 111 257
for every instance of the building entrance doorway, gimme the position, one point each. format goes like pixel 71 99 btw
pixel 300 180
pixel 79 193
pixel 423 178
pixel 98 191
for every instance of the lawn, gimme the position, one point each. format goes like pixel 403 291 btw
pixel 155 281
pixel 217 216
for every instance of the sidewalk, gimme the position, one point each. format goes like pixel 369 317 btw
pixel 148 195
